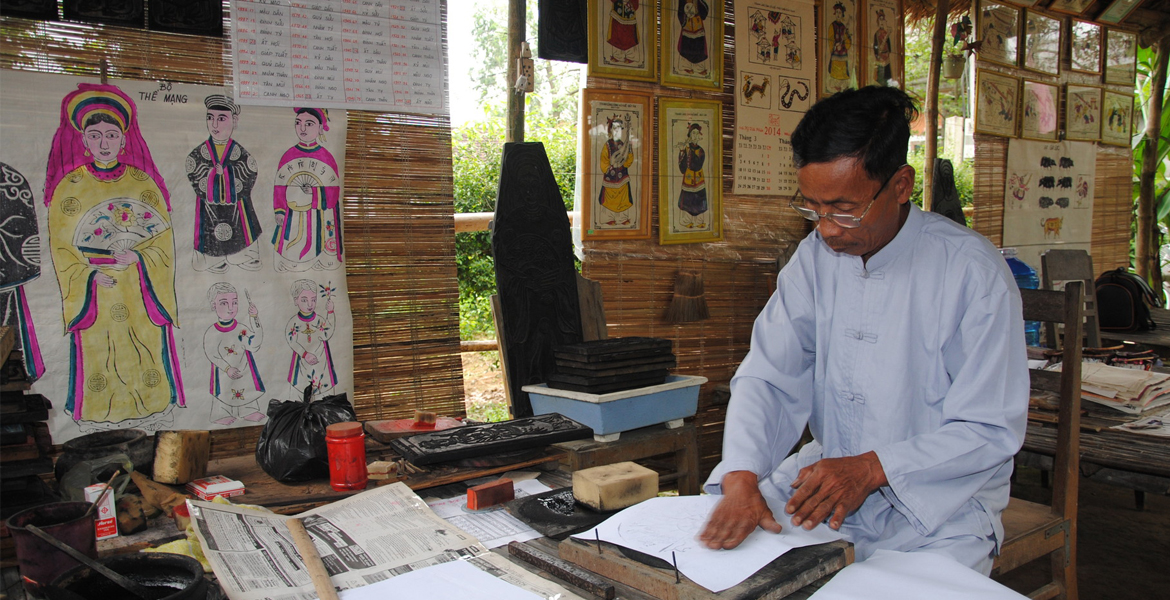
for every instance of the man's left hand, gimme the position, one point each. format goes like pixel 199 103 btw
pixel 834 486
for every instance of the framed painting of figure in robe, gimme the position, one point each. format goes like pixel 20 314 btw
pixel 1117 118
pixel 1082 113
pixel 616 163
pixel 998 26
pixel 690 173
pixel 839 45
pixel 997 98
pixel 692 44
pixel 883 58
pixel 1038 111
pixel 623 39
pixel 1120 56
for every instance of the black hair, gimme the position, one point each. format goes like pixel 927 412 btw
pixel 871 124
pixel 98 117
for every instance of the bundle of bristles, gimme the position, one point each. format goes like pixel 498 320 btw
pixel 688 303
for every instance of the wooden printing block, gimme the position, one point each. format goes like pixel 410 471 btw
pixel 605 385
pixel 613 349
pixel 488 438
pixel 490 494
pixel 181 456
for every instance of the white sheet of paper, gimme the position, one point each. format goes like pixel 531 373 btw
pixel 660 526
pixel 493 527
pixel 455 579
pixel 911 576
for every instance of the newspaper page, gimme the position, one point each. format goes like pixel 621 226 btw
pixel 362 539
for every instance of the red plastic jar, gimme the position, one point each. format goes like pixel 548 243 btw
pixel 347 456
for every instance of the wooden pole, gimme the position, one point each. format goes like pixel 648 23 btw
pixel 936 52
pixel 517 33
pixel 1148 265
pixel 317 573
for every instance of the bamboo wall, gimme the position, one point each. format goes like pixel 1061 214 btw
pixel 398 215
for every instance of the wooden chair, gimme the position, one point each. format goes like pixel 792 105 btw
pixel 1072 265
pixel 1033 530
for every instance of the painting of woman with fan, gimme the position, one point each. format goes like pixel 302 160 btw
pixel 307 199
pixel 113 251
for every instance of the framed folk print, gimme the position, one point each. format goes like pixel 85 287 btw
pixel 623 39
pixel 1117 12
pixel 997 98
pixel 1082 112
pixel 1070 7
pixel 1041 43
pixel 998 26
pixel 616 158
pixel 692 44
pixel 1117 118
pixel 1120 56
pixel 1086 47
pixel 883 58
pixel 690 173
pixel 1040 103
pixel 839 46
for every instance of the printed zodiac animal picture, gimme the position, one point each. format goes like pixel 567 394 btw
pixel 623 39
pixel 794 94
pixel 617 168
pixel 776 38
pixel 692 48
pixel 1082 112
pixel 756 91
pixel 113 251
pixel 690 185
pixel 838 46
pixel 231 346
pixel 995 108
pixel 1049 190
pixel 307 199
pixel 883 55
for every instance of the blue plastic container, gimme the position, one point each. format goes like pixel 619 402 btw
pixel 1026 279
pixel 621 411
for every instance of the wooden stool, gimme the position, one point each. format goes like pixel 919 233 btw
pixel 643 443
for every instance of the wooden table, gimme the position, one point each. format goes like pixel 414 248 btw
pixel 1156 339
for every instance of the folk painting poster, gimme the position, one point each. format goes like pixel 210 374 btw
pixel 1082 112
pixel 190 252
pixel 776 76
pixel 692 44
pixel 839 46
pixel 1086 47
pixel 1048 197
pixel 690 186
pixel 1117 119
pixel 1120 56
pixel 999 29
pixel 1041 43
pixel 997 100
pixel 1039 118
pixel 616 148
pixel 883 57
pixel 623 39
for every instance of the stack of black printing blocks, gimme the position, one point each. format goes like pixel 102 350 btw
pixel 612 365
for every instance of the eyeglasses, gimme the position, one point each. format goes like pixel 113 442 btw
pixel 841 220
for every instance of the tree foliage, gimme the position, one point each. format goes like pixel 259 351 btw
pixel 952 95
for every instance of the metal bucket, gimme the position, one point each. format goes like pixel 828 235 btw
pixel 39 562
pixel 170 576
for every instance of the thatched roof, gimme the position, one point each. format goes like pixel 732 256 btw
pixel 1151 19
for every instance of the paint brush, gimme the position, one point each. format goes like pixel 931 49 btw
pixel 677 579
pixel 109 483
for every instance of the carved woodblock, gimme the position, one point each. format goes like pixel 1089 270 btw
pixel 564 30
pixel 32 9
pixel 111 12
pixel 537 283
pixel 198 17
pixel 489 438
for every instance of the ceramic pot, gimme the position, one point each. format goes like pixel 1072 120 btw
pixel 134 443
pixel 41 562
pixel 171 576
pixel 953 66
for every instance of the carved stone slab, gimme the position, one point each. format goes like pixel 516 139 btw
pixel 563 30
pixel 537 281
pixel 489 438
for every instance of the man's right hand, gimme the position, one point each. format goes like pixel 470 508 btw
pixel 738 513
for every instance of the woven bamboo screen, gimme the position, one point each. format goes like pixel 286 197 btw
pixel 1113 192
pixel 398 215
pixel 637 277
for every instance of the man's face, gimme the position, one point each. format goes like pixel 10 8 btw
pixel 220 124
pixel 843 187
pixel 306 301
pixel 226 306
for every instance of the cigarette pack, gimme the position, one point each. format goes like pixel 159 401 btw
pixel 106 518
pixel 216 485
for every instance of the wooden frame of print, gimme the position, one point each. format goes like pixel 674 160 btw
pixel 837 49
pixel 1040 110
pixel 884 58
pixel 1120 56
pixel 616 194
pixel 692 44
pixel 1070 7
pixel 1082 112
pixel 1117 118
pixel 997 103
pixel 1085 48
pixel 623 39
pixel 690 171
pixel 1118 11
pixel 998 46
pixel 1040 50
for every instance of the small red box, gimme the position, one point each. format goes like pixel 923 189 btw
pixel 106 517
pixel 216 485
pixel 490 494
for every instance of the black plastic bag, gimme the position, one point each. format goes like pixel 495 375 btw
pixel 292 444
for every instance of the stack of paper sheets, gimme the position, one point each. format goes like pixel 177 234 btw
pixel 1128 390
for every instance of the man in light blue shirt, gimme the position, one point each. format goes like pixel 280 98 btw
pixel 897 336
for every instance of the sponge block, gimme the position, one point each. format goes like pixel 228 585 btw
pixel 490 494
pixel 614 487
